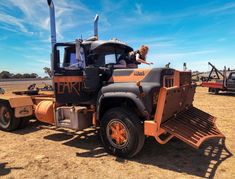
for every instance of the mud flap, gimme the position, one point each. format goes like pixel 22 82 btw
pixel 192 126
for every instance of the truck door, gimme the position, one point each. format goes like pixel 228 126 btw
pixel 68 77
pixel 231 81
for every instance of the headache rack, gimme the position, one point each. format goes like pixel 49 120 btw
pixel 180 78
pixel 168 81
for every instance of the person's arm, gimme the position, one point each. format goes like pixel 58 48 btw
pixel 138 59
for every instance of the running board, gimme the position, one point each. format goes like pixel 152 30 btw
pixel 192 126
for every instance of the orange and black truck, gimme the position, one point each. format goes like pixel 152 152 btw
pixel 125 105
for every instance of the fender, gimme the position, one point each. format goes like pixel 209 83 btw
pixel 133 97
pixel 22 105
pixel 17 100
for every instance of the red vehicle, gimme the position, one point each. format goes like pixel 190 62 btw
pixel 220 81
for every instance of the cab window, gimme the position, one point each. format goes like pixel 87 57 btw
pixel 232 76
pixel 66 57
pixel 106 54
pixel 110 58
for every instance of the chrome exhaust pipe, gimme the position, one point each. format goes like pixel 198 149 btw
pixel 96 26
pixel 52 22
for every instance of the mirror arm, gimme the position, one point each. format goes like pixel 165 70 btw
pixel 78 43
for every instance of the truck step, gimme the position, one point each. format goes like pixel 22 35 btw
pixel 66 125
pixel 73 117
pixel 193 126
pixel 66 121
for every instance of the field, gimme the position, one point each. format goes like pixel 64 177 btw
pixel 42 151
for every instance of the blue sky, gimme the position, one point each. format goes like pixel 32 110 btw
pixel 176 31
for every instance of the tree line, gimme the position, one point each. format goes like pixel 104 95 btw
pixel 9 75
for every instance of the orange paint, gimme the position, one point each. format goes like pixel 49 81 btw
pixel 119 133
pixel 135 76
pixel 177 78
pixel 44 112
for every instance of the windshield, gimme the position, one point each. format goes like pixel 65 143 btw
pixel 107 54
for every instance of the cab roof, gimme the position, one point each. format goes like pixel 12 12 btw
pixel 96 44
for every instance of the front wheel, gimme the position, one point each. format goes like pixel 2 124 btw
pixel 8 122
pixel 122 132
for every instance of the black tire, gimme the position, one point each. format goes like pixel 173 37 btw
pixel 213 90
pixel 23 122
pixel 216 91
pixel 133 130
pixel 8 122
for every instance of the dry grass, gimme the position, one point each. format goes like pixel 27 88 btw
pixel 21 85
pixel 40 151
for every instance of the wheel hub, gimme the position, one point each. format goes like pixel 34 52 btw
pixel 4 116
pixel 117 134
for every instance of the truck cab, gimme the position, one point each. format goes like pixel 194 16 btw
pixel 220 81
pixel 231 81
pixel 78 81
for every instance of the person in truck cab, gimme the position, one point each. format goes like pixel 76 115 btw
pixel 134 58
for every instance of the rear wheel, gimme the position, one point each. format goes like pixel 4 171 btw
pixel 8 122
pixel 214 90
pixel 122 132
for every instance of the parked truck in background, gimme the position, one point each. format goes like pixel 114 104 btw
pixel 220 81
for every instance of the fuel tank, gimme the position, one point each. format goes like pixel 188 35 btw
pixel 44 112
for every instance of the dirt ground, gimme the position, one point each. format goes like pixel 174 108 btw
pixel 42 151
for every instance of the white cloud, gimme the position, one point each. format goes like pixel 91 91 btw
pixel 111 6
pixel 71 16
pixel 34 16
pixel 219 9
pixel 13 22
pixel 45 62
pixel 137 17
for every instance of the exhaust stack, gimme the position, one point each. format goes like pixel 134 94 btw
pixel 52 22
pixel 96 26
